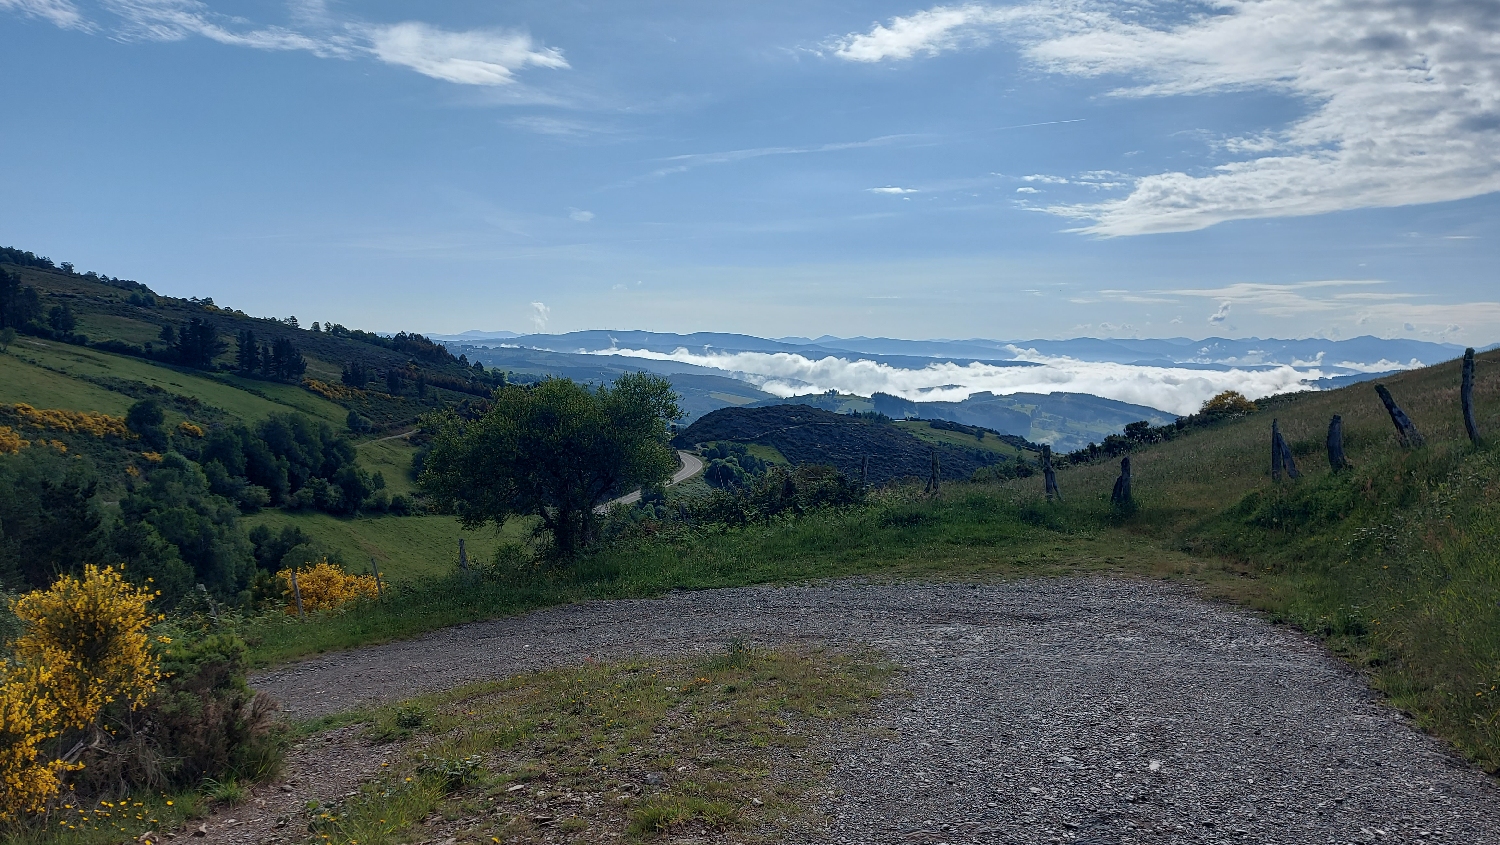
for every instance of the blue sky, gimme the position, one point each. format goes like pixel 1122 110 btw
pixel 1045 169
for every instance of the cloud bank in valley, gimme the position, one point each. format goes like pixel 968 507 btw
pixel 1178 390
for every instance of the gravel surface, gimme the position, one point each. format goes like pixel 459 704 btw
pixel 1062 710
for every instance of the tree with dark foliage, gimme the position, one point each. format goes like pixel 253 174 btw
pixel 19 306
pixel 198 344
pixel 556 451
pixel 247 353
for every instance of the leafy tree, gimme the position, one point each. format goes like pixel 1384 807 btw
pixel 7 337
pixel 177 503
pixel 198 344
pixel 247 352
pixel 555 451
pixel 355 374
pixel 19 306
pixel 61 319
pixel 1230 403
pixel 149 422
pixel 286 362
pixel 48 520
pixel 394 381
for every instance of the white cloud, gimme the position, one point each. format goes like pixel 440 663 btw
pixel 539 314
pixel 1220 315
pixel 929 32
pixel 175 20
pixel 1174 389
pixel 58 12
pixel 1403 97
pixel 1027 191
pixel 891 189
pixel 487 57
pixel 474 57
pixel 580 215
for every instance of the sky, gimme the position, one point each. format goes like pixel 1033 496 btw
pixel 1047 169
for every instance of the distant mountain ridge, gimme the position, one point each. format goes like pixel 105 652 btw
pixel 1339 357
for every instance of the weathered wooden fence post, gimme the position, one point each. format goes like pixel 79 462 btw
pixel 864 471
pixel 1404 428
pixel 1275 451
pixel 1049 475
pixel 463 556
pixel 297 592
pixel 1121 495
pixel 1467 395
pixel 213 609
pixel 1336 460
pixel 933 480
pixel 379 589
pixel 1281 455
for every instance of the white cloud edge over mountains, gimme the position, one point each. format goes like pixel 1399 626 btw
pixel 1404 97
pixel 1178 390
pixel 483 57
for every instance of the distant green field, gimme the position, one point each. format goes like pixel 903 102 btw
pixel 120 328
pixel 922 431
pixel 407 547
pixel 23 382
pixel 35 385
pixel 392 459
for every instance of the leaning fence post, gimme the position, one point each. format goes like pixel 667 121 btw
pixel 463 556
pixel 864 471
pixel 1336 460
pixel 1275 451
pixel 1467 394
pixel 297 592
pixel 1121 495
pixel 375 568
pixel 212 608
pixel 1049 475
pixel 1404 427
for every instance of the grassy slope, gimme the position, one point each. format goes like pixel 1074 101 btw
pixel 408 548
pixel 68 368
pixel 922 431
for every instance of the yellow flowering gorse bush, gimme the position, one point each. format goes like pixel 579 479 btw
pixel 335 392
pixel 324 586
pixel 73 422
pixel 86 644
pixel 92 634
pixel 29 718
pixel 190 428
pixel 10 441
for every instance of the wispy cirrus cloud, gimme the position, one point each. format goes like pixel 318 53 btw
pixel 62 13
pixel 1351 299
pixel 1404 98
pixel 483 57
pixel 691 161
pixel 473 57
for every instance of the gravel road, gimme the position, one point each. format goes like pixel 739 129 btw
pixel 1061 710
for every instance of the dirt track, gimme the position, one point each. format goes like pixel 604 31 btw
pixel 1064 710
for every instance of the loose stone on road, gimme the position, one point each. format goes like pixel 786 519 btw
pixel 1064 710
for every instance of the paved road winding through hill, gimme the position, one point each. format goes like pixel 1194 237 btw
pixel 1083 710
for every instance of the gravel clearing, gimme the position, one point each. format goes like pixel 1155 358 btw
pixel 1084 710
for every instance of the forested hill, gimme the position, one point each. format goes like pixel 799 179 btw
pixel 807 435
pixel 41 299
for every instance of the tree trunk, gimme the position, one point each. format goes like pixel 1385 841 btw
pixel 1336 460
pixel 1049 475
pixel 1405 430
pixel 1121 496
pixel 1468 397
